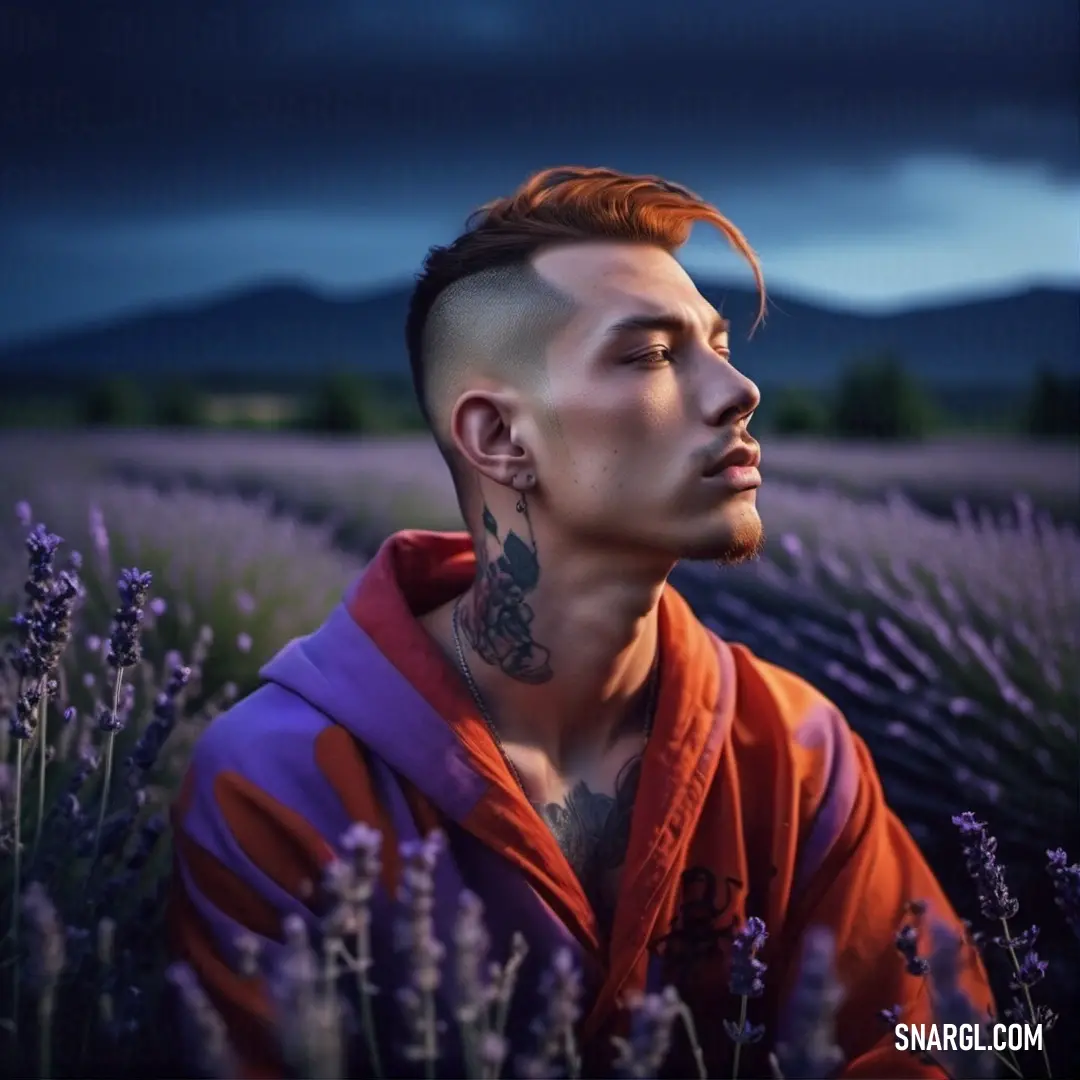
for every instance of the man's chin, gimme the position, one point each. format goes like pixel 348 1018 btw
pixel 738 542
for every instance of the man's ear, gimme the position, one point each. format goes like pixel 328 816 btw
pixel 482 428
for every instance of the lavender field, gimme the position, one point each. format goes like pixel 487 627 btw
pixel 933 592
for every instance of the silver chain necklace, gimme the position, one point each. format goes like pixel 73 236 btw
pixel 474 690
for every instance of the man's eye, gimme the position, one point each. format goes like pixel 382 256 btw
pixel 657 357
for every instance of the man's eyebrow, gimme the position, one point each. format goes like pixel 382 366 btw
pixel 670 324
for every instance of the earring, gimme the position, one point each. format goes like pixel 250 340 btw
pixel 523 482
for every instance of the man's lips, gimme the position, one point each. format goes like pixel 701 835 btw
pixel 744 457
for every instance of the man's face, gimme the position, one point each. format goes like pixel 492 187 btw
pixel 630 428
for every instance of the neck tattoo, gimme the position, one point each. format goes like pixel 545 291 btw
pixel 591 828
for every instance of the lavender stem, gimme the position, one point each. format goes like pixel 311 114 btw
pixel 43 725
pixel 106 781
pixel 573 1058
pixel 45 1018
pixel 738 1045
pixel 429 1026
pixel 1010 1065
pixel 1027 993
pixel 687 1018
pixel 364 990
pixel 16 885
pixel 518 951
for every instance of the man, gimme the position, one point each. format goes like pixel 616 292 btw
pixel 607 773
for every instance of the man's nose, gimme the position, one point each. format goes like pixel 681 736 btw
pixel 730 397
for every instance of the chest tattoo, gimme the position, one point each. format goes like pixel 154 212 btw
pixel 593 831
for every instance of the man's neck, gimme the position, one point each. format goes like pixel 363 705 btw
pixel 560 644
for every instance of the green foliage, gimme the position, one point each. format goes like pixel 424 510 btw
pixel 799 412
pixel 114 402
pixel 1053 407
pixel 342 405
pixel 878 398
pixel 178 405
pixel 39 410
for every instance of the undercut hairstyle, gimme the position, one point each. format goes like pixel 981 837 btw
pixel 479 304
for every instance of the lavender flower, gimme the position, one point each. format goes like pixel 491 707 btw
pixel 892 1014
pixel 46 943
pixel 808 1049
pixel 471 944
pixel 980 855
pixel 125 648
pixel 980 852
pixel 746 969
pixel 106 956
pixel 1019 1013
pixel 110 721
pixel 43 630
pixel 952 1006
pixel 99 536
pixel 502 978
pixel 554 1029
pixel 46 958
pixel 745 982
pixel 148 747
pixel 23 513
pixel 351 884
pixel 248 955
pixel 208 1036
pixel 312 1034
pixel 743 1033
pixel 24 717
pixel 153 828
pixel 652 1020
pixel 415 934
pixel 41 546
pixel 45 627
pixel 364 844
pixel 1024 940
pixel 1066 880
pixel 1030 971
pixel 474 994
pixel 907 941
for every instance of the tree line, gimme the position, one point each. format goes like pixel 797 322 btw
pixel 875 397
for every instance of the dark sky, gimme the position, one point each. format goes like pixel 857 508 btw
pixel 876 154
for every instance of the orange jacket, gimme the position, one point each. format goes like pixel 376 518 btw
pixel 756 798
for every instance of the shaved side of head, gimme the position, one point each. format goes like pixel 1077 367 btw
pixel 494 324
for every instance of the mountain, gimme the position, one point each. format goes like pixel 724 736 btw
pixel 282 334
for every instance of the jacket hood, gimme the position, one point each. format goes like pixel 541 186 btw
pixel 340 670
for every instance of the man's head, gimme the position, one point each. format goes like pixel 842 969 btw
pixel 558 345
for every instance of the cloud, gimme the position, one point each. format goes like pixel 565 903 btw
pixel 158 149
pixel 923 230
pixel 249 85
pixel 954 229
